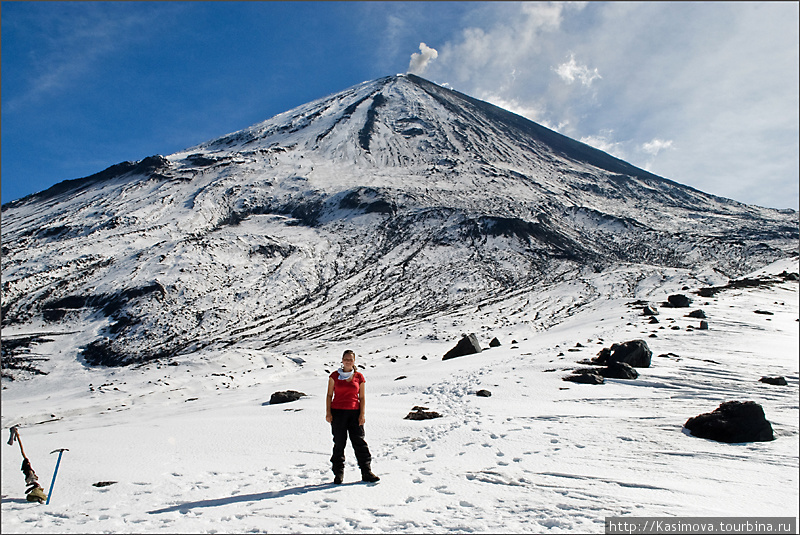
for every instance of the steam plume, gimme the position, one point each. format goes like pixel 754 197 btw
pixel 420 60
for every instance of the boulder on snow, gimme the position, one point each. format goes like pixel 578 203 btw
pixel 495 342
pixel 483 393
pixel 703 325
pixel 585 376
pixel 678 301
pixel 468 345
pixel 732 422
pixel 285 397
pixel 777 380
pixel 635 352
pixel 618 370
pixel 649 311
pixel 421 413
pixel 697 314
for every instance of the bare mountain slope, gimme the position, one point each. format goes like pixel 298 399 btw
pixel 389 202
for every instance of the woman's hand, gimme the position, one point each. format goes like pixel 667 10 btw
pixel 361 419
pixel 329 417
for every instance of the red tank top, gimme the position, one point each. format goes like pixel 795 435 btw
pixel 345 393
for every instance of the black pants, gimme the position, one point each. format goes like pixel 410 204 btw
pixel 346 422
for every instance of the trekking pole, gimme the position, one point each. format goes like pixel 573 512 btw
pixel 60 452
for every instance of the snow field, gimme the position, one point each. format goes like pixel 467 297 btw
pixel 194 448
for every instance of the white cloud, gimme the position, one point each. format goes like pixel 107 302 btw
pixel 718 80
pixel 656 145
pixel 420 60
pixel 571 71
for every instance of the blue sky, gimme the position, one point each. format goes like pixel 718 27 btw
pixel 702 93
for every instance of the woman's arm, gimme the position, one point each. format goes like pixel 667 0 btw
pixel 328 398
pixel 362 400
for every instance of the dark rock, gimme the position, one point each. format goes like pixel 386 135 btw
pixel 703 325
pixel 588 378
pixel 602 356
pixel 653 320
pixel 696 314
pixel 494 343
pixel 732 422
pixel 650 311
pixel 483 393
pixel 103 483
pixel 678 301
pixel 764 312
pixel 285 397
pixel 635 352
pixel 618 370
pixel 778 380
pixel 710 291
pixel 468 345
pixel 421 413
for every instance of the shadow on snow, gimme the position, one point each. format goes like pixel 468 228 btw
pixel 250 497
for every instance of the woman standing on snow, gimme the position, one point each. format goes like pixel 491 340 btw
pixel 344 410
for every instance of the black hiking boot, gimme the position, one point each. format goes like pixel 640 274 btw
pixel 369 477
pixel 338 478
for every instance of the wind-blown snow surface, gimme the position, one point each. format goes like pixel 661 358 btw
pixel 196 448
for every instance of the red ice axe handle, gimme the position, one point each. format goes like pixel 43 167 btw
pixel 60 452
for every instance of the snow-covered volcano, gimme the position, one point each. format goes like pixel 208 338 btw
pixel 389 203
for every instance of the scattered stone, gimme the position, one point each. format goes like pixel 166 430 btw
pixel 732 422
pixel 765 312
pixel 654 320
pixel 421 413
pixel 618 370
pixel 635 352
pixel 468 345
pixel 696 314
pixel 649 311
pixel 285 397
pixel 776 380
pixel 483 393
pixel 401 377
pixel 678 301
pixel 590 377
pixel 494 343
pixel 103 483
pixel 704 325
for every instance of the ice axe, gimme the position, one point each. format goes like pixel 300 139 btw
pixel 60 452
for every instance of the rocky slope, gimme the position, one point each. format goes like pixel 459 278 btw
pixel 392 201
